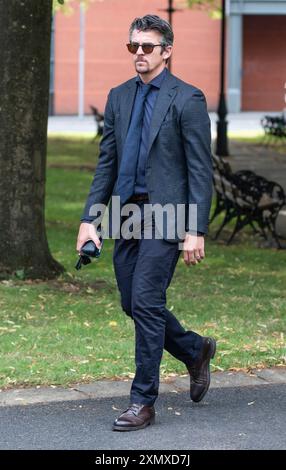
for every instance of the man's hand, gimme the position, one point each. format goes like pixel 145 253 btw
pixel 86 232
pixel 194 249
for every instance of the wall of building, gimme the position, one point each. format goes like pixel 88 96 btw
pixel 107 61
pixel 195 58
pixel 264 62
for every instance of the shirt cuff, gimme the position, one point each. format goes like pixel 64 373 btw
pixel 87 221
pixel 198 234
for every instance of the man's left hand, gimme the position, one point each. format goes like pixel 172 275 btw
pixel 194 249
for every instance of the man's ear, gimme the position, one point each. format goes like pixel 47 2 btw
pixel 167 52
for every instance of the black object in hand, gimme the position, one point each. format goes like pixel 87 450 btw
pixel 88 249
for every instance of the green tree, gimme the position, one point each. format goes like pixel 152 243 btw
pixel 212 6
pixel 25 34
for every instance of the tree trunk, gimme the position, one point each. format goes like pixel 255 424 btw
pixel 25 33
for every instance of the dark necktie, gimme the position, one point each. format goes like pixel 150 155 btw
pixel 127 171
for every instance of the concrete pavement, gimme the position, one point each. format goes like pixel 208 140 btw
pixel 246 123
pixel 117 388
pixel 240 411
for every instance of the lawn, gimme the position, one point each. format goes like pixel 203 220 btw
pixel 73 330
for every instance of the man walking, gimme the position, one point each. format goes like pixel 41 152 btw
pixel 155 150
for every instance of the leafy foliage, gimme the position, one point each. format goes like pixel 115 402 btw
pixel 67 6
pixel 213 7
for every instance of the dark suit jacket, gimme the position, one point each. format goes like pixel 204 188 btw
pixel 179 162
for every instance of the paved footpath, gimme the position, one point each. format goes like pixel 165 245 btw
pixel 247 123
pixel 241 411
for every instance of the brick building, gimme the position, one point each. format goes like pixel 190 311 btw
pixel 89 55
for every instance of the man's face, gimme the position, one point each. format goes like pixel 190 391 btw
pixel 146 63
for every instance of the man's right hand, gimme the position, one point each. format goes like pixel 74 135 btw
pixel 86 232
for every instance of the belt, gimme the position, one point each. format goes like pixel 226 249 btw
pixel 139 197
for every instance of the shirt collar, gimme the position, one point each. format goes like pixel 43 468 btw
pixel 157 81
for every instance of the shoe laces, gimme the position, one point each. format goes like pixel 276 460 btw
pixel 133 408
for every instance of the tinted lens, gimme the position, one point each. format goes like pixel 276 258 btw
pixel 133 48
pixel 147 48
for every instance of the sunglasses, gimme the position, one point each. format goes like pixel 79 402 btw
pixel 147 48
pixel 87 250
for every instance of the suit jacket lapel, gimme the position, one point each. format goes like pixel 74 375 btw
pixel 165 97
pixel 126 107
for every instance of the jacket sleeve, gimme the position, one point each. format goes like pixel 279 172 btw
pixel 196 134
pixel 106 170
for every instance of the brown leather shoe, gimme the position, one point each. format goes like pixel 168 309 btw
pixel 200 370
pixel 136 417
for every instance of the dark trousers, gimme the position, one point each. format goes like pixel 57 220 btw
pixel 143 270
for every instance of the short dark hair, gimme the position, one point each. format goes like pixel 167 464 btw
pixel 154 22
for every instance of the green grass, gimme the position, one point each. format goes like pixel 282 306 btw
pixel 68 151
pixel 73 329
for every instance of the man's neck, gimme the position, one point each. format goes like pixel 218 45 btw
pixel 147 77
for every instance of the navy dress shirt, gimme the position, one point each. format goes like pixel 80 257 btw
pixel 140 185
